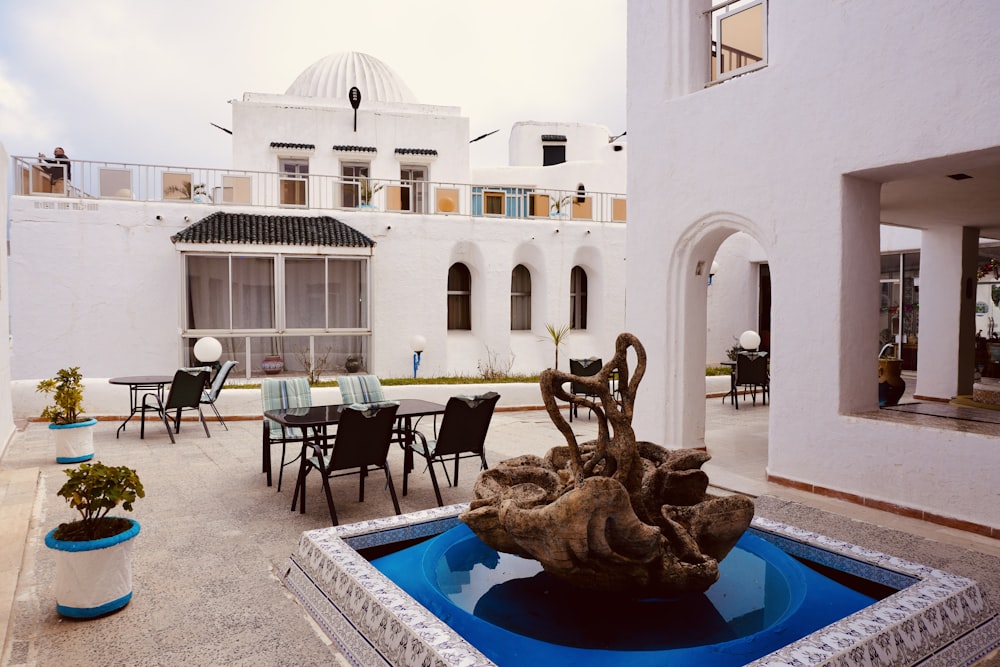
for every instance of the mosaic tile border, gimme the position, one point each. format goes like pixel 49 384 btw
pixel 938 620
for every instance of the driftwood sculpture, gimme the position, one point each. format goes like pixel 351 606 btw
pixel 611 514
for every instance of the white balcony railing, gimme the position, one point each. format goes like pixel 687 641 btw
pixel 232 187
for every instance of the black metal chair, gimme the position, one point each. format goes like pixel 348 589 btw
pixel 582 368
pixel 752 372
pixel 361 444
pixel 211 393
pixel 462 435
pixel 185 394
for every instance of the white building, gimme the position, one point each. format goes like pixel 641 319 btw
pixel 834 118
pixel 336 231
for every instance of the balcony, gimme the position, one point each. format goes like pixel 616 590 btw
pixel 230 187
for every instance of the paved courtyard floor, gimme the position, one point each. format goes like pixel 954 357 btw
pixel 215 538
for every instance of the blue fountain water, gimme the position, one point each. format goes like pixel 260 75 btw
pixel 516 614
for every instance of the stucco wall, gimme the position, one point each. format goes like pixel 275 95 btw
pixel 97 283
pixel 767 153
pixel 6 414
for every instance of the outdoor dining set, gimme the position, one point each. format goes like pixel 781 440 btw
pixel 352 437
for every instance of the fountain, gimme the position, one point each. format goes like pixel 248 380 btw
pixel 612 552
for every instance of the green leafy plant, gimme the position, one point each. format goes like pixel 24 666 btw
pixel 558 336
pixel 734 350
pixel 67 396
pixel 93 490
pixel 367 190
pixel 558 203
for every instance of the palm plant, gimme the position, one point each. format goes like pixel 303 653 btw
pixel 558 336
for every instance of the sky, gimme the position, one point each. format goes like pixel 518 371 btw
pixel 140 82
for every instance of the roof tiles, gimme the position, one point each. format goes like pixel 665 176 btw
pixel 253 229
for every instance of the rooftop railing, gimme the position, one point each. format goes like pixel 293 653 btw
pixel 221 187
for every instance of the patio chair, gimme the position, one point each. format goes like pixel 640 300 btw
pixel 360 389
pixel 279 394
pixel 752 372
pixel 582 368
pixel 185 394
pixel 212 392
pixel 364 433
pixel 462 435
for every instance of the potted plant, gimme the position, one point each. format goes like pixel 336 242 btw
pixel 366 191
pixel 73 432
pixel 558 204
pixel 94 553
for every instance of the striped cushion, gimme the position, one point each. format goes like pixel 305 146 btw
pixel 278 394
pixel 360 389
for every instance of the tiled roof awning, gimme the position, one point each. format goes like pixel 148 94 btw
pixel 354 149
pixel 301 147
pixel 416 151
pixel 252 229
pixel 553 137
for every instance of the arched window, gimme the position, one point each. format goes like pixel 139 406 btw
pixel 520 299
pixel 578 298
pixel 459 297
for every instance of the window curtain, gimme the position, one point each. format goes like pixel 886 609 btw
pixel 578 298
pixel 459 297
pixel 348 294
pixel 253 292
pixel 520 299
pixel 208 292
pixel 305 287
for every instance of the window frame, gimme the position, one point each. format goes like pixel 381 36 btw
pixel 725 10
pixel 459 296
pixel 293 181
pixel 351 173
pixel 520 298
pixel 578 298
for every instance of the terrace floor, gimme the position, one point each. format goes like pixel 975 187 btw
pixel 214 538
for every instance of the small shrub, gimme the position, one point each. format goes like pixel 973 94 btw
pixel 67 396
pixel 93 490
pixel 495 368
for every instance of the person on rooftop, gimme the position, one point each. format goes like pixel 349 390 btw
pixel 60 170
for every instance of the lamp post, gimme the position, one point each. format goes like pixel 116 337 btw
pixel 418 343
pixel 749 340
pixel 208 350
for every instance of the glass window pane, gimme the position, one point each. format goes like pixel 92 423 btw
pixel 347 294
pixel 253 293
pixel 305 288
pixel 520 299
pixel 459 297
pixel 741 38
pixel 207 292
pixel 578 298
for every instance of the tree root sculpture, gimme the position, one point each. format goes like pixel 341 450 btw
pixel 612 514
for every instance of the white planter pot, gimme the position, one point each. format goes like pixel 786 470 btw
pixel 93 578
pixel 74 442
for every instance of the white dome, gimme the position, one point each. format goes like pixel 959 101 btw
pixel 334 75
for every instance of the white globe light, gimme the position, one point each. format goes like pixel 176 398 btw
pixel 207 349
pixel 418 343
pixel 749 340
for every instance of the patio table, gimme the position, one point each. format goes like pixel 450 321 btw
pixel 317 418
pixel 138 385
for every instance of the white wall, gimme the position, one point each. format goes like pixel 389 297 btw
pixel 261 119
pixel 97 284
pixel 6 413
pixel 767 154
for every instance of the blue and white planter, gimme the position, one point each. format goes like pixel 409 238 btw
pixel 74 442
pixel 93 578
